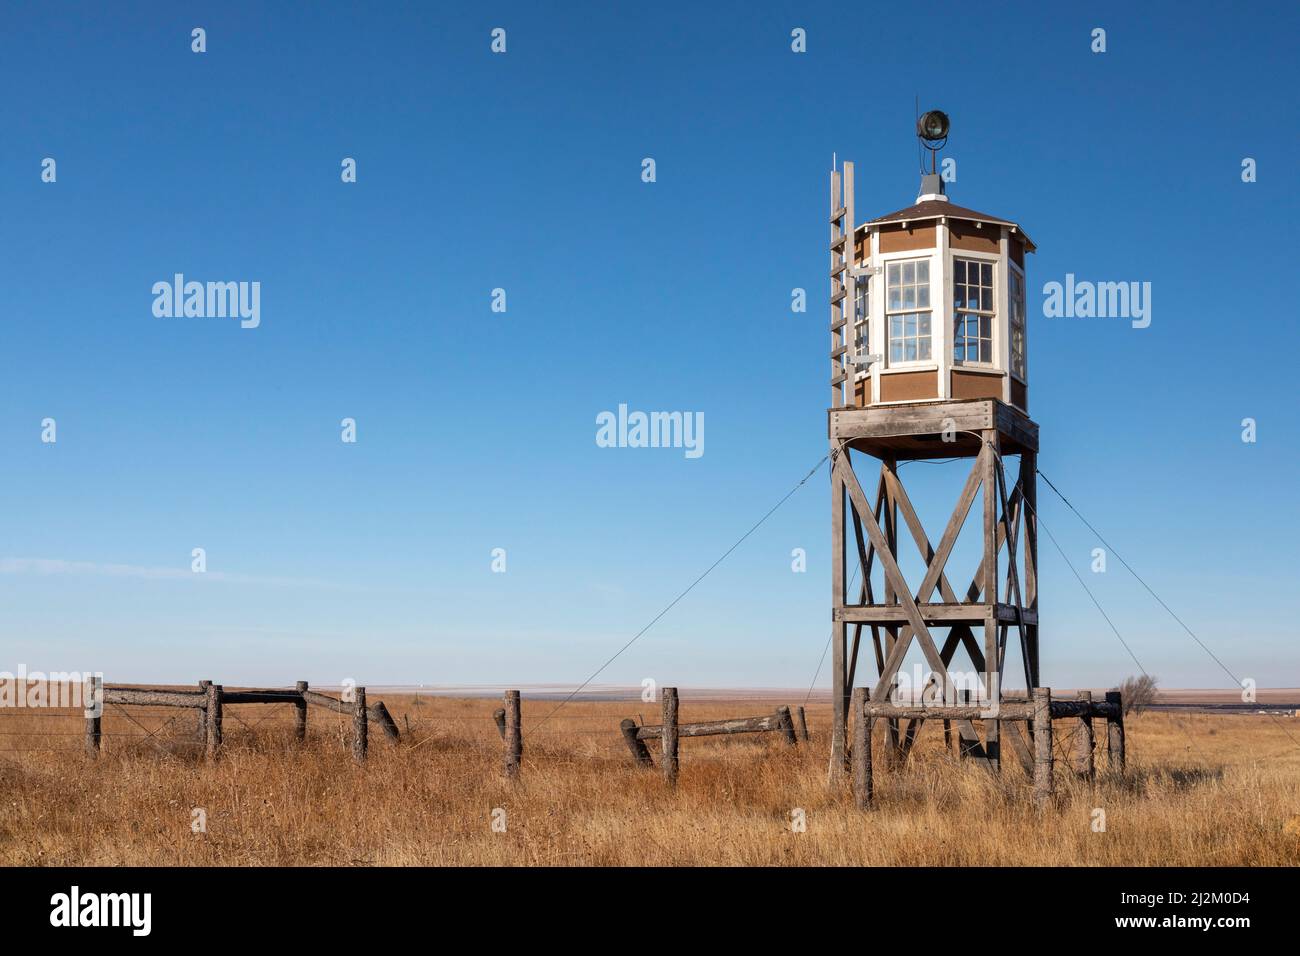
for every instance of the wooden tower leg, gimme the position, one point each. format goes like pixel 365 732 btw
pixel 992 654
pixel 1042 723
pixel 1029 547
pixel 839 635
pixel 893 741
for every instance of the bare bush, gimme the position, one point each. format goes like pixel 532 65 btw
pixel 1138 693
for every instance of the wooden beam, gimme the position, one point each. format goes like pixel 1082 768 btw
pixel 786 725
pixel 1014 595
pixel 953 528
pixel 669 735
pixel 93 705
pixel 976 590
pixel 964 711
pixel 1020 746
pixel 992 652
pixel 514 735
pixel 1084 742
pixel 360 726
pixel 931 613
pixel 889 566
pixel 1042 724
pixel 640 753
pixel 893 745
pixel 1115 733
pixel 140 697
pixel 712 728
pixel 213 726
pixel 862 781
pixel 1029 484
pixel 261 697
pixel 300 712
pixel 839 630
pixel 900 421
pixel 898 497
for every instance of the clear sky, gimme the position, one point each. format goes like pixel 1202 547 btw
pixel 476 429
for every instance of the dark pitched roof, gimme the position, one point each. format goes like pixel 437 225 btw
pixel 936 208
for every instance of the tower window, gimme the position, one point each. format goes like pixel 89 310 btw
pixel 1018 324
pixel 862 315
pixel 908 310
pixel 972 333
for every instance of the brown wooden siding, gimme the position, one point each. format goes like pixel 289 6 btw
pixel 1017 251
pixel 905 239
pixel 1019 395
pixel 861 245
pixel 909 386
pixel 975 385
pixel 862 393
pixel 964 235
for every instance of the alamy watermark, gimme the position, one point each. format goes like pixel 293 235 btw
pixel 208 300
pixel 1103 300
pixel 71 689
pixel 923 688
pixel 651 430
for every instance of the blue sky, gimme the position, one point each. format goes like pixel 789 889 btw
pixel 476 430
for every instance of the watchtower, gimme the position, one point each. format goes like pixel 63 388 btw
pixel 929 361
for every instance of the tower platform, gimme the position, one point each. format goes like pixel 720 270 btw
pixel 936 429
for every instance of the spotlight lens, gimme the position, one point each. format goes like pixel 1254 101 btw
pixel 933 125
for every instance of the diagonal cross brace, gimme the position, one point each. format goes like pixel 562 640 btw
pixel 898 496
pixel 895 577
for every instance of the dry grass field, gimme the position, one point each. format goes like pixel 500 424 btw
pixel 1202 789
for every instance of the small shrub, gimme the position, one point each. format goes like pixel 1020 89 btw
pixel 1138 693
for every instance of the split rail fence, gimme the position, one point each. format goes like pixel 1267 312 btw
pixel 210 700
pixel 1038 712
pixel 670 732
pixel 1029 724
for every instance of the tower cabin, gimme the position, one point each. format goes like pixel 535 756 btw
pixel 938 311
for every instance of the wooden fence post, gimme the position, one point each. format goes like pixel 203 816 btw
pixel 803 725
pixel 94 709
pixel 1115 733
pixel 670 735
pixel 635 744
pixel 360 726
pixel 300 715
pixel 1042 724
pixel 514 735
pixel 212 713
pixel 862 782
pixel 203 713
pixel 1085 743
pixel 966 746
pixel 499 716
pixel 787 725
pixel 893 738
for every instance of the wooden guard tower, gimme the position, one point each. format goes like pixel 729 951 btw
pixel 928 361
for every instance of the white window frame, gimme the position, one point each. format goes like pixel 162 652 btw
pixel 991 314
pixel 1021 375
pixel 860 326
pixel 900 259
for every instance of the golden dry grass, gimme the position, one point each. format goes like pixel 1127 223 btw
pixel 1202 790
